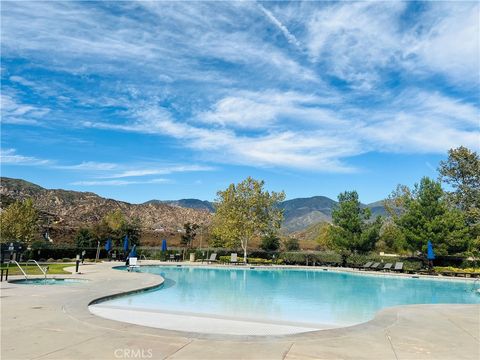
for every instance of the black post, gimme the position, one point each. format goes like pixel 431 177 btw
pixel 77 263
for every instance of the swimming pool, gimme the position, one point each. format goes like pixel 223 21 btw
pixel 306 299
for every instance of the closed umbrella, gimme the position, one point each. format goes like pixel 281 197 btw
pixel 125 244
pixel 430 254
pixel 108 245
pixel 164 245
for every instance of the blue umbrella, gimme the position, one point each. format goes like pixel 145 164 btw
pixel 430 253
pixel 133 252
pixel 125 243
pixel 108 245
pixel 164 245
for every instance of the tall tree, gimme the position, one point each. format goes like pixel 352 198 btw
pixel 461 171
pixel 245 211
pixel 189 234
pixel 84 238
pixel 428 217
pixel 352 231
pixel 19 222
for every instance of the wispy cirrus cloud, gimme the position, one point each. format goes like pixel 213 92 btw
pixel 220 82
pixel 10 156
pixel 120 182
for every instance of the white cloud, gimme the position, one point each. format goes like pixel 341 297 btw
pixel 14 112
pixel 10 156
pixel 290 37
pixel 159 171
pixel 90 166
pixel 119 182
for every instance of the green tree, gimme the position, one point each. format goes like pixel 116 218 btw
pixel 391 238
pixel 325 237
pixel 18 222
pixel 190 232
pixel 270 242
pixel 244 211
pixel 84 238
pixel 351 230
pixel 428 217
pixel 462 172
pixel 115 220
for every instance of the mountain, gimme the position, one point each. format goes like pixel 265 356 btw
pixel 73 209
pixel 186 203
pixel 301 212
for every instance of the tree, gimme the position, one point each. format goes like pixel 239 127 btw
pixel 352 231
pixel 428 217
pixel 190 233
pixel 291 244
pixel 84 238
pixel 115 220
pixel 462 172
pixel 244 211
pixel 270 242
pixel 19 222
pixel 391 238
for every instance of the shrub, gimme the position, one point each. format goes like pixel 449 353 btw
pixel 270 243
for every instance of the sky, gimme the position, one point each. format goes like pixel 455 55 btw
pixel 168 100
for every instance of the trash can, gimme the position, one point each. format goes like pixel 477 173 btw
pixel 192 257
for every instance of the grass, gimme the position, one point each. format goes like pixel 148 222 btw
pixel 32 269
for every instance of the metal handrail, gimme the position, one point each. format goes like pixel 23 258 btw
pixel 16 263
pixel 43 270
pixel 144 257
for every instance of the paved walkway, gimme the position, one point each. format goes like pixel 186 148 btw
pixel 53 322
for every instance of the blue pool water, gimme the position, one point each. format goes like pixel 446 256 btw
pixel 290 295
pixel 48 281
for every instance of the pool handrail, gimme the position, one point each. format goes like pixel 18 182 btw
pixel 16 263
pixel 43 270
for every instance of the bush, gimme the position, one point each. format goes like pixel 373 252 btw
pixel 270 243
pixel 440 269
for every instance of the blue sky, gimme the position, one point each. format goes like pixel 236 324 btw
pixel 167 100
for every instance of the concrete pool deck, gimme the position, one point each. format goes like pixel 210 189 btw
pixel 53 322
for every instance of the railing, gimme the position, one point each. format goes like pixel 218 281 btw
pixel 43 270
pixel 16 263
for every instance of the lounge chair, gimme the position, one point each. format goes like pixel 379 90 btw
pixel 398 266
pixel 375 266
pixel 387 266
pixel 367 265
pixel 233 258
pixel 171 257
pixel 132 263
pixel 213 258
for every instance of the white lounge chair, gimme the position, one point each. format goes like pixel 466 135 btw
pixel 233 258
pixel 213 258
pixel 132 263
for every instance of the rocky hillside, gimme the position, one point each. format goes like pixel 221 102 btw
pixel 72 209
pixel 186 203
